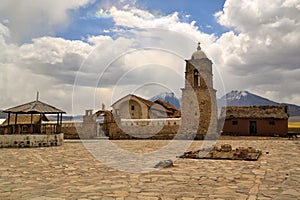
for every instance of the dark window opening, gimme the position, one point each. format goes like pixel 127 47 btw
pixel 286 109
pixel 132 107
pixel 234 123
pixel 196 78
pixel 272 122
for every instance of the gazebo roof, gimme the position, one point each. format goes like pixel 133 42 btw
pixel 34 107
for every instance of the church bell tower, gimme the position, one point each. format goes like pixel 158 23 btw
pixel 199 104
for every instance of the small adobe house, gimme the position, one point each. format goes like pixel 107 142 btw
pixel 135 107
pixel 255 120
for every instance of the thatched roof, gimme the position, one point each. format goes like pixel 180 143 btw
pixel 34 107
pixel 25 119
pixel 255 112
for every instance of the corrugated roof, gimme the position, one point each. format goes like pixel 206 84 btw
pixel 259 112
pixel 34 107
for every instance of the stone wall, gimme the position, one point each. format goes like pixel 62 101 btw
pixel 154 132
pixel 69 129
pixel 26 140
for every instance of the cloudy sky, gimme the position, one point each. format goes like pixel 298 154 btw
pixel 81 53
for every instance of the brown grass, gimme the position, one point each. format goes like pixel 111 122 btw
pixel 294 125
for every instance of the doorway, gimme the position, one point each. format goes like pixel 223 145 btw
pixel 253 127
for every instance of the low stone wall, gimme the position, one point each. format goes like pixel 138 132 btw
pixel 77 130
pixel 31 140
pixel 166 132
pixel 70 132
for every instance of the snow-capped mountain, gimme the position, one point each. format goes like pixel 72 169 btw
pixel 233 98
pixel 245 98
pixel 168 97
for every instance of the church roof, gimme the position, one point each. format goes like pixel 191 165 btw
pixel 199 54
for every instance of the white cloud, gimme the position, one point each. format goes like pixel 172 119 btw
pixel 33 18
pixel 262 49
pixel 137 18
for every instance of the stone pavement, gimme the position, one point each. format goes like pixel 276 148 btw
pixel 71 172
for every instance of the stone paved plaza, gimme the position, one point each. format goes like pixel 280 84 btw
pixel 72 172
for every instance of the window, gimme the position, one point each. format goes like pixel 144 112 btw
pixel 234 123
pixel 132 107
pixel 196 78
pixel 24 129
pixel 272 122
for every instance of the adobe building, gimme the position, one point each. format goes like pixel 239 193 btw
pixel 135 107
pixel 255 120
pixel 199 104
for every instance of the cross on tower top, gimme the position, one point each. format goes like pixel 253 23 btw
pixel 199 48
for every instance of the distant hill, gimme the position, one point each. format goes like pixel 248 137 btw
pixel 245 98
pixel 167 97
pixel 233 98
pixel 66 118
pixel 3 115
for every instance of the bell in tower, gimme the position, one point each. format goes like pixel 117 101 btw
pixel 199 104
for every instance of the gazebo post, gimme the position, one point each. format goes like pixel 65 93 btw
pixel 57 123
pixel 60 122
pixel 41 127
pixel 16 120
pixel 8 122
pixel 31 127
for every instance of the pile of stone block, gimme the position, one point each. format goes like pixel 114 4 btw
pixel 225 151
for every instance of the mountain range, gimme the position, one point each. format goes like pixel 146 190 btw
pixel 233 98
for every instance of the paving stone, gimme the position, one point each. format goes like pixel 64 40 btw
pixel 71 172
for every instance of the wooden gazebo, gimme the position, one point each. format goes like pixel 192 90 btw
pixel 33 113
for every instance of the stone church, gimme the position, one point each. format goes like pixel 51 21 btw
pixel 198 114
